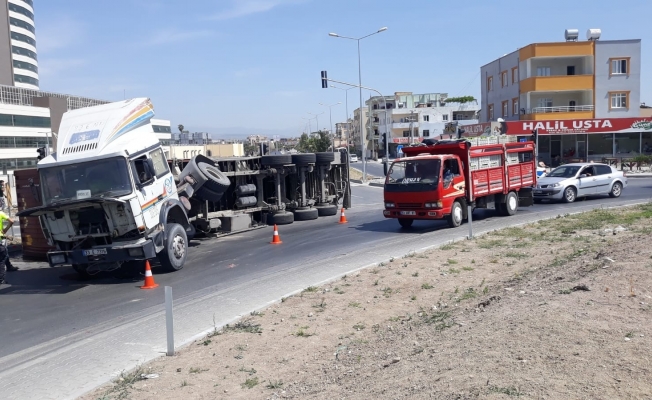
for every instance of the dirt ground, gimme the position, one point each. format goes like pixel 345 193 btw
pixel 560 309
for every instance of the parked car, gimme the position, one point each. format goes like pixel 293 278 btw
pixel 353 158
pixel 571 181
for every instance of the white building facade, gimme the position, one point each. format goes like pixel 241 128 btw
pixel 18 55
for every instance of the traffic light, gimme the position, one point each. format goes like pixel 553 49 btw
pixel 324 80
pixel 41 153
pixel 535 135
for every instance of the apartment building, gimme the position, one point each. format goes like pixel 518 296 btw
pixel 355 130
pixel 409 117
pixel 18 59
pixel 343 133
pixel 582 96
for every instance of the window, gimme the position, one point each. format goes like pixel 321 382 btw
pixel 406 133
pixel 505 108
pixel 161 129
pixel 426 118
pixel 503 79
pixel 490 83
pixel 514 75
pixel 24 121
pixel 603 170
pixel 143 172
pixel 25 65
pixel 544 103
pixel 160 163
pixel 515 106
pixel 25 79
pixel 543 71
pixel 23 38
pixel 21 10
pixel 444 117
pixel 426 133
pixel 22 24
pixel 618 100
pixel 619 66
pixel 23 52
pixel 490 112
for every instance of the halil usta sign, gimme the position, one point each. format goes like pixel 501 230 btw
pixel 579 126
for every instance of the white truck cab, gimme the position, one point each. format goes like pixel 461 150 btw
pixel 108 194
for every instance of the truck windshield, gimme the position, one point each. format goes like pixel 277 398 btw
pixel 100 178
pixel 414 172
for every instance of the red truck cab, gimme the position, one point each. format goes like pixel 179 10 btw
pixel 441 180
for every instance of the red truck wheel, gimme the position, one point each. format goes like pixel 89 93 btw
pixel 456 216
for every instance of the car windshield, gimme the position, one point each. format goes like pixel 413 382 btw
pixel 564 172
pixel 98 178
pixel 414 171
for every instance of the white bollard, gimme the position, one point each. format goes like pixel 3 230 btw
pixel 169 320
pixel 470 223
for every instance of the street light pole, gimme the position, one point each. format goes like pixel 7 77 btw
pixel 346 95
pixel 330 114
pixel 362 133
pixel 316 116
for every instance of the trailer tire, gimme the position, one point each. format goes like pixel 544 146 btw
pixel 306 214
pixel 456 216
pixel 82 271
pixel 405 223
pixel 324 157
pixel 326 211
pixel 303 159
pixel 270 161
pixel 217 180
pixel 280 218
pixel 511 204
pixel 173 257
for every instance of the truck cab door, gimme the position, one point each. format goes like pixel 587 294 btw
pixel 452 177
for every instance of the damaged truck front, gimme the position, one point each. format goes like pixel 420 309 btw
pixel 108 195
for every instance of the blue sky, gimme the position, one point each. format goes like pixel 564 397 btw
pixel 234 67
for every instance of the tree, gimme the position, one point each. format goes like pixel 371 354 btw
pixel 461 100
pixel 322 142
pixel 181 128
pixel 305 144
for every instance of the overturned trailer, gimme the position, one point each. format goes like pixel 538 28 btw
pixel 109 197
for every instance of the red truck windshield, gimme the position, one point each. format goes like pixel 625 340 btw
pixel 414 172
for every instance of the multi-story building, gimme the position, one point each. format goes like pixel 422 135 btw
pixel 414 117
pixel 18 59
pixel 355 130
pixel 343 133
pixel 582 96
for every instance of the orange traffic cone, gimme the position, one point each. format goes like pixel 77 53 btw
pixel 276 239
pixel 149 279
pixel 343 217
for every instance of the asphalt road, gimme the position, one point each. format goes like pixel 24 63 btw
pixel 47 312
pixel 374 168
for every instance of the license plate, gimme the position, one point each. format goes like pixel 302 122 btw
pixel 538 192
pixel 94 252
pixel 408 213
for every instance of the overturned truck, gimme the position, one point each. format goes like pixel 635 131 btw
pixel 110 197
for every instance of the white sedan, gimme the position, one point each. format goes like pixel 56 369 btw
pixel 570 181
pixel 353 158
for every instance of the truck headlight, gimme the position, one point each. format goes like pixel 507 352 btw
pixel 58 259
pixel 390 205
pixel 136 252
pixel 436 204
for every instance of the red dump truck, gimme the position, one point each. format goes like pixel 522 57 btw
pixel 441 179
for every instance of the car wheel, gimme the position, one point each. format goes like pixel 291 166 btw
pixel 616 190
pixel 570 194
pixel 405 223
pixel 456 216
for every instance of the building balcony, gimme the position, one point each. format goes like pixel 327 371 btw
pixel 560 112
pixel 557 83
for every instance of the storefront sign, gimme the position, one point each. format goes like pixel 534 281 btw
pixel 477 129
pixel 575 126
pixel 405 140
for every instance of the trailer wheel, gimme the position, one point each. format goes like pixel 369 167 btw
pixel 211 183
pixel 276 160
pixel 327 210
pixel 405 223
pixel 280 218
pixel 511 204
pixel 306 214
pixel 324 157
pixel 173 257
pixel 456 216
pixel 303 159
pixel 217 181
pixel 82 270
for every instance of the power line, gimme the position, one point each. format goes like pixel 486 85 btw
pixel 468 85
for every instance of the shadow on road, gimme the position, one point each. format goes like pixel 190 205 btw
pixel 391 225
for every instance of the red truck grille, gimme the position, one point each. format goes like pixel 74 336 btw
pixel 409 205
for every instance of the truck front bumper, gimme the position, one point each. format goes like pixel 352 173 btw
pixel 142 249
pixel 414 214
